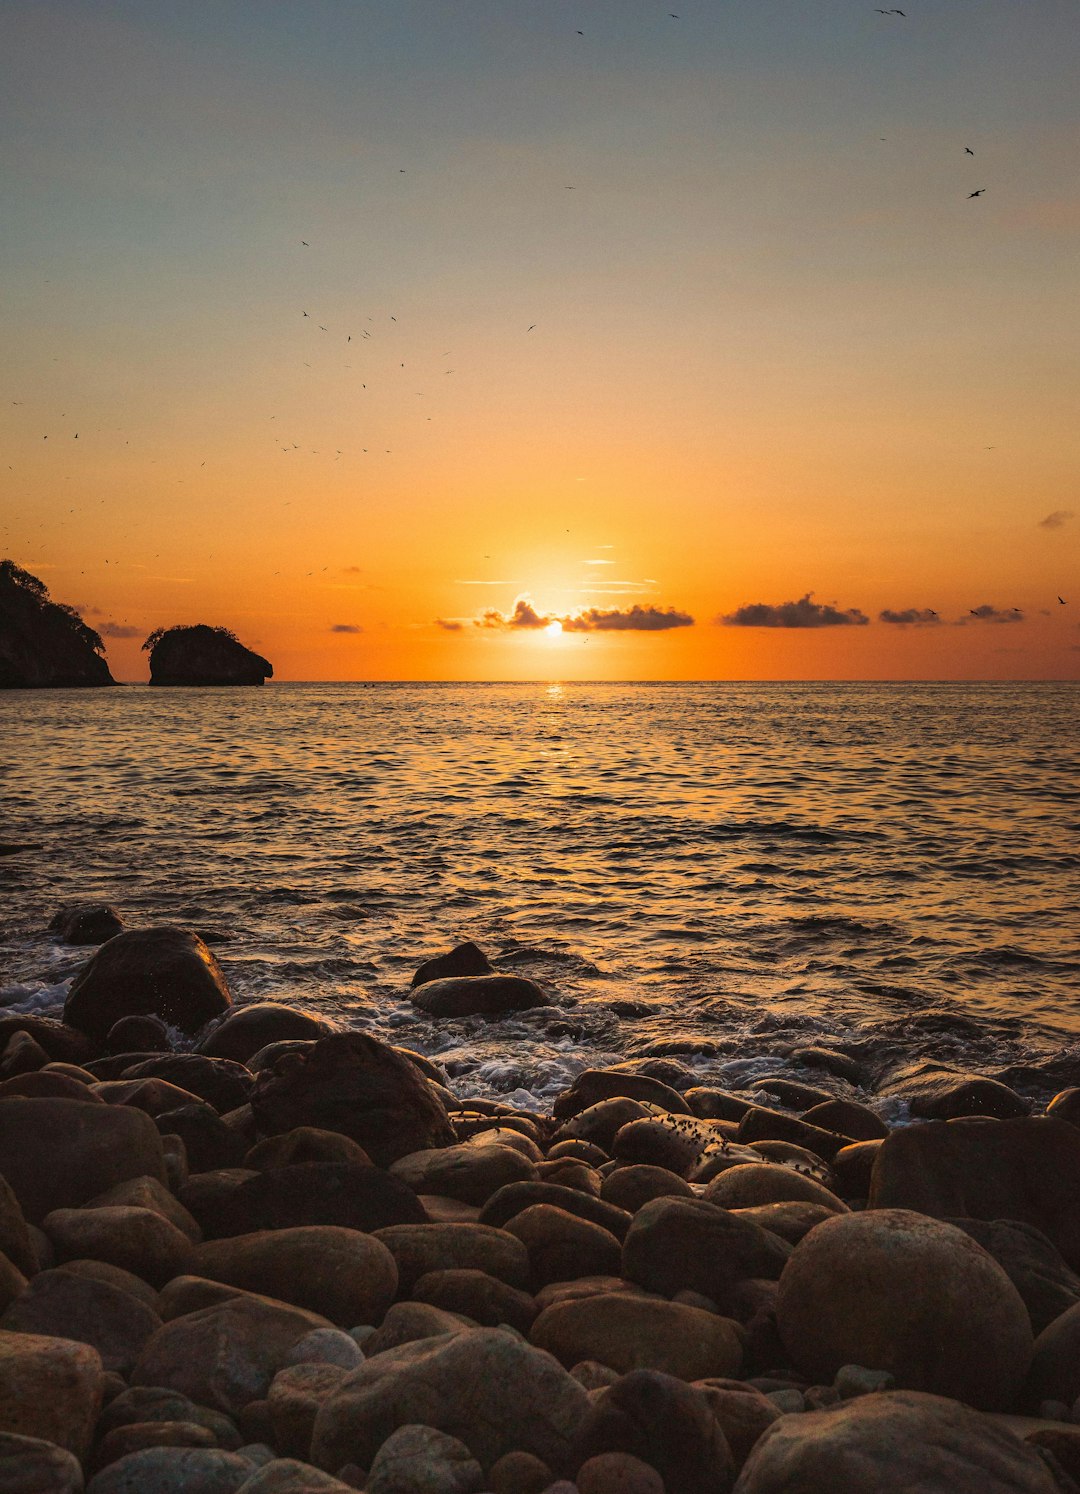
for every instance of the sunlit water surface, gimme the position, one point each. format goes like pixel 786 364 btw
pixel 707 871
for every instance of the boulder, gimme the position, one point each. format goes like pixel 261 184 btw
pixel 224 1356
pixel 114 1276
pixel 155 1405
pixel 936 1093
pixel 201 654
pixel 482 1386
pixel 665 1423
pixel 347 1276
pixel 679 1143
pixel 208 1142
pixel 218 1082
pixel 246 1030
pixel 63 1044
pixel 356 1198
pixel 138 1035
pixel 593 1085
pixel 137 1240
pixel 173 1470
pixel 15 1242
pixel 161 972
pixel 792 1092
pixel 148 1193
pixel 1026 1169
pixel 154 1096
pixel 1055 1364
pixel 417 1459
pixel 288 1476
pixel 420 1248
pixel 47 1084
pixel 50 1388
pixel 842 1065
pixel 408 1322
pixel 23 1055
pixel 628 1332
pixel 563 1246
pixel 484 995
pixel 750 1185
pixel 598 1125
pixel 1035 1268
pixel 896 1291
pixel 12 1284
pixel 44 644
pixel 463 959
pixel 515 1198
pixel 1065 1106
pixel 58 1153
pixel 207 1196
pixel 62 1304
pixel 790 1220
pixel 845 1117
pixel 683 1244
pixel 30 1466
pixel 293 1400
pixel 762 1124
pixel 892 1443
pixel 476 1295
pixel 744 1413
pixel 631 1187
pixel 305 1144
pixel 354 1084
pixel 86 923
pixel 466 1172
pixel 137 1436
pixel 618 1473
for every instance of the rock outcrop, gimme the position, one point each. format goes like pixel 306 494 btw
pixel 161 972
pixel 43 643
pixel 203 655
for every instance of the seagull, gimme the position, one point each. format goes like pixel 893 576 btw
pixel 529 329
pixel 1062 601
pixel 305 243
pixel 979 193
pixel 968 150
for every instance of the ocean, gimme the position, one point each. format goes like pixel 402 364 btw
pixel 709 872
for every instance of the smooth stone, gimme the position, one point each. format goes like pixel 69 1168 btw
pixel 305 1144
pixel 148 1193
pixel 792 1092
pixel 682 1244
pixel 466 1172
pixel 160 972
pixel 520 1473
pixel 354 1197
pixel 420 1248
pixel 853 1167
pixel 289 1476
pixel 16 1243
pixel 628 1333
pixel 1035 1268
pixel 347 1276
pixel 50 1388
pixel 937 1093
pixel 408 1322
pixel 848 1118
pixel 463 959
pixel 567 1172
pixel 631 1187
pixel 709 1103
pixel 224 1356
pixel 893 1443
pixel 743 1411
pixel 594 1085
pixel 830 1060
pixel 47 1084
pixel 418 1459
pixel 173 1470
pixel 57 1304
pixel 207 1196
pixel 791 1220
pixel 1055 1363
pixel 148 1405
pixel 63 1044
pixel 475 1295
pixel 762 1124
pixel 478 995
pixel 30 1466
pixel 562 1246
pixel 582 1151
pixel 618 1473
pixel 219 1082
pixel 86 923
pixel 246 1030
pixel 896 1291
pixel 137 1436
pixel 667 1424
pixel 483 1385
pixel 599 1124
pixel 136 1240
pixel 751 1185
pixel 56 1154
pixel 326 1346
pixel 293 1401
pixel 114 1276
pixel 208 1141
pixel 515 1198
pixel 138 1035
pixel 1065 1106
pixel 681 1143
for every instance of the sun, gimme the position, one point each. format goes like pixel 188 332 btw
pixel 554 629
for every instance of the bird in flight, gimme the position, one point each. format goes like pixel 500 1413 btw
pixel 529 329
pixel 979 193
pixel 1062 601
pixel 889 12
pixel 968 150
pixel 305 243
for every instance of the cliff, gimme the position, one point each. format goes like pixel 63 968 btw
pixel 44 644
pixel 202 655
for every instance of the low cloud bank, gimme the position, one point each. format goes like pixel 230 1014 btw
pixel 805 613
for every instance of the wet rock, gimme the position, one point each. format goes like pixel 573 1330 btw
pixel 224 1356
pixel 139 1435
pixel 50 1388
pixel 86 923
pixel 305 1144
pixel 593 1085
pixel 520 1473
pixel 154 1096
pixel 665 1423
pixel 288 1476
pixel 1055 1365
pixel 475 1295
pixel 208 1141
pixel 15 1242
pixel 115 1276
pixel 709 1103
pixel 136 1240
pixel 618 1473
pixel 677 1244
pixel 420 1248
pixel 849 1294
pixel 161 972
pixel 46 1084
pixel 482 1386
pixel 1031 1263
pixel 22 1055
pixel 354 1084
pixel 853 1166
pixel 418 1459
pixel 466 1172
pixel 743 1411
pixel 346 1275
pixel 482 995
pixel 173 1470
pixel 464 959
pixel 1026 1169
pixel 569 1173
pixel 563 1246
pixel 936 1093
pixel 149 1405
pixel 31 1466
pixel 407 1323
pixel 791 1092
pixel 207 1197
pixel 138 1035
pixel 891 1444
pixel 293 1401
pixel 791 1220
pixel 751 1185
pixel 63 1044
pixel 59 1153
pixel 247 1030
pixel 1065 1106
pixel 515 1198
pixel 762 1124
pixel 581 1151
pixel 148 1193
pixel 628 1332
pixel 846 1118
pixel 829 1059
pixel 60 1304
pixel 630 1187
pixel 217 1081
pixel 678 1143
pixel 356 1198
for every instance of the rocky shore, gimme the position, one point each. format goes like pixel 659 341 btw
pixel 243 1252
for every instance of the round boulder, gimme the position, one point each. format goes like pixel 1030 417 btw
pixel 484 995
pixel 895 1291
pixel 160 972
pixel 248 1029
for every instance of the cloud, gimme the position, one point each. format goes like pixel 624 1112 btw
pixel 989 614
pixel 482 583
pixel 633 619
pixel 1055 520
pixel 346 628
pixel 599 562
pixel 919 617
pixel 119 630
pixel 352 570
pixel 450 624
pixel 804 613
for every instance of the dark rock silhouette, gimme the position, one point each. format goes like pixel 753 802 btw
pixel 86 923
pixel 159 972
pixel 202 655
pixel 44 644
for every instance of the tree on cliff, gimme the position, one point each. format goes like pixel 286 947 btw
pixel 200 654
pixel 42 642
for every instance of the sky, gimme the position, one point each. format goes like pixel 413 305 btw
pixel 549 339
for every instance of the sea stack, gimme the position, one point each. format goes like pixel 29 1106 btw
pixel 203 655
pixel 44 644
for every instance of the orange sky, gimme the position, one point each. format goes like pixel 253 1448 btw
pixel 777 349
